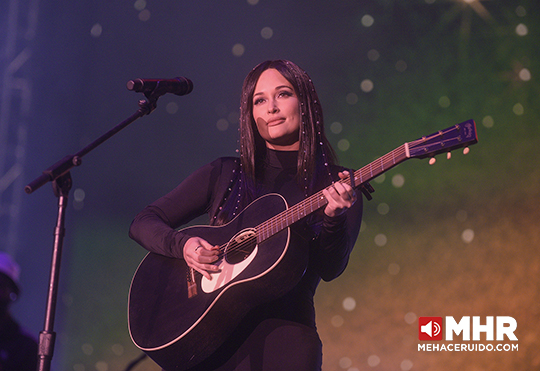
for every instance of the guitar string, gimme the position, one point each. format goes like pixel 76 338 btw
pixel 317 200
pixel 309 205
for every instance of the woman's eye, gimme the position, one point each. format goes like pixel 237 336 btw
pixel 257 101
pixel 284 94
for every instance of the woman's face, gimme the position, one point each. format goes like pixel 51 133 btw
pixel 276 111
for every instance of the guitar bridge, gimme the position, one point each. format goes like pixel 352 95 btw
pixel 191 283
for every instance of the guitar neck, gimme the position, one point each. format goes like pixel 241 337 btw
pixel 316 201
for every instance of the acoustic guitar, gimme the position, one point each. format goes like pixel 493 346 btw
pixel 179 318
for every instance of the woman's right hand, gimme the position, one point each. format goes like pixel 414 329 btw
pixel 199 255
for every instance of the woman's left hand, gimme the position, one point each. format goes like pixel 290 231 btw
pixel 340 197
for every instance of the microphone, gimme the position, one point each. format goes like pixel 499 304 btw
pixel 178 85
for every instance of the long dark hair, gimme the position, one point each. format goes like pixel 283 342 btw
pixel 315 152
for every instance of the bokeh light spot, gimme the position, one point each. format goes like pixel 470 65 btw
pixel 79 195
pixel 367 20
pixel 349 304
pixel 398 180
pixel 381 240
pixel 373 360
pixel 525 74
pixel 380 179
pixel 337 321
pixel 366 85
pixel 345 362
pixel 444 101
pixel 520 11
pixel 467 236
pixel 96 30
pixel 238 50
pixel 252 2
pixel 393 269
pixel 351 98
pixel 118 349
pixel 267 33
pixel 222 124
pixel 343 145
pixel 373 55
pixel 488 122
pixel 171 108
pixel 144 15
pixel 87 349
pixel 336 127
pixel 383 208
pixel 102 366
pixel 139 5
pixel 406 365
pixel 410 318
pixel 401 66
pixel 518 109
pixel 522 30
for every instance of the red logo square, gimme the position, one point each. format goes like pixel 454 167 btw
pixel 430 328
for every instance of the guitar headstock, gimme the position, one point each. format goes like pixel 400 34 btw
pixel 454 137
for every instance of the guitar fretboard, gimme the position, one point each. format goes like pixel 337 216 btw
pixel 316 201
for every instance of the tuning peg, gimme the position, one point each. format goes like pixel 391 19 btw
pixel 466 150
pixel 432 160
pixel 448 155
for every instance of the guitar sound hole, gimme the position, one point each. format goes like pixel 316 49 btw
pixel 241 246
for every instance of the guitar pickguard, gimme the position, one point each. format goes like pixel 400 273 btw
pixel 227 272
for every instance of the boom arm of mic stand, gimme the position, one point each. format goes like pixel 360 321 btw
pixel 67 163
pixel 59 175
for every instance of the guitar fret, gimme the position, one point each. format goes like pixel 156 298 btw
pixel 313 203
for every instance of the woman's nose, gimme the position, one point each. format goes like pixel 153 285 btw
pixel 272 107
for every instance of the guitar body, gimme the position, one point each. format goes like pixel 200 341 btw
pixel 177 329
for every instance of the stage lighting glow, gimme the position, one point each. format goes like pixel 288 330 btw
pixel 393 269
pixel 525 74
pixel 367 20
pixel 381 240
pixel 518 109
pixel 398 180
pixel 222 124
pixel 351 98
pixel 336 127
pixel 522 30
pixel 366 85
pixel 238 50
pixel 344 145
pixel 96 30
pixel 444 102
pixel 373 55
pixel 349 304
pixel 467 235
pixel 383 208
pixel 488 121
pixel 267 33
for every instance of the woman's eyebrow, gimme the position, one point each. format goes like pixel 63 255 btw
pixel 276 88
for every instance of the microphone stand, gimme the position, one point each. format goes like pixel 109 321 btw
pixel 59 175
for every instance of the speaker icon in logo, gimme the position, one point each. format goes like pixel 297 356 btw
pixel 430 328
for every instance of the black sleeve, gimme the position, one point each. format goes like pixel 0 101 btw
pixel 154 227
pixel 331 249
